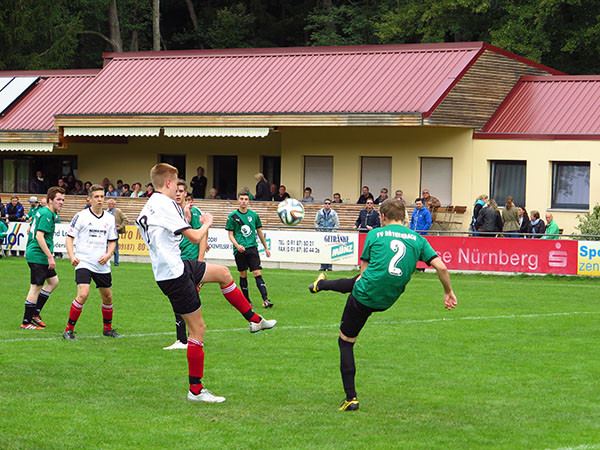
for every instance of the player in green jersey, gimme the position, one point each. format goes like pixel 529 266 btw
pixel 388 260
pixel 40 259
pixel 243 225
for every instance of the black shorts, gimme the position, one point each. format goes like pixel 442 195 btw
pixel 40 273
pixel 246 259
pixel 85 276
pixel 355 316
pixel 182 291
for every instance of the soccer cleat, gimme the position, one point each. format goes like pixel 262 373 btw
pixel 349 405
pixel 69 335
pixel 205 396
pixel 112 333
pixel 267 304
pixel 177 345
pixel 264 324
pixel 30 326
pixel 38 321
pixel 314 287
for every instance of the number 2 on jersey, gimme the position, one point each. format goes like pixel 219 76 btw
pixel 399 249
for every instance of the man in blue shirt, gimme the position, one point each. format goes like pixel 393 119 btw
pixel 421 218
pixel 326 220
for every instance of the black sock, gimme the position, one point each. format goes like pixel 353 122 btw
pixel 41 301
pixel 29 312
pixel 181 329
pixel 262 287
pixel 343 285
pixel 244 287
pixel 347 367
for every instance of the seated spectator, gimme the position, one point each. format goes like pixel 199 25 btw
pixel 137 190
pixel 125 191
pixel 523 221
pixel 34 205
pixel 87 186
pixel 70 182
pixel 263 192
pixel 326 220
pixel 398 196
pixel 383 196
pixel 365 196
pixel 213 194
pixel 536 226
pixel 63 184
pixel 39 184
pixel 119 188
pixel 78 189
pixel 337 198
pixel 368 218
pixel 552 230
pixel 14 210
pixel 489 221
pixel 430 202
pixel 149 191
pixel 2 209
pixel 420 220
pixel 112 192
pixel 273 190
pixel 281 195
pixel 308 198
pixel 105 183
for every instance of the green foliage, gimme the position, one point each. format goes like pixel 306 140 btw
pixel 348 24
pixel 590 224
pixel 231 28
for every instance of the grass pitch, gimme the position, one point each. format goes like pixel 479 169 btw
pixel 515 365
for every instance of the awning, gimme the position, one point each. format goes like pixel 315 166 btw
pixel 26 147
pixel 112 131
pixel 216 132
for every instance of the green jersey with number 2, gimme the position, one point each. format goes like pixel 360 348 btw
pixel 392 252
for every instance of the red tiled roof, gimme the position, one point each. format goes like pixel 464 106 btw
pixel 55 89
pixel 362 79
pixel 548 106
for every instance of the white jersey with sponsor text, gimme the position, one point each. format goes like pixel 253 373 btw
pixel 91 234
pixel 161 223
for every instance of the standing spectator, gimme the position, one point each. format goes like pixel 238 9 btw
pixel 365 196
pixel 308 198
pixel 479 203
pixel 523 221
pixel 430 202
pixel 536 226
pixel 552 230
pixel 213 194
pixel 420 220
pixel 119 188
pixel 70 182
pixel 137 190
pixel 337 198
pixel 263 192
pixel 38 185
pixel 111 191
pixel 489 220
pixel 510 218
pixel 198 183
pixel 281 195
pixel 326 220
pixel 398 196
pixel 2 210
pixel 14 210
pixel 34 206
pixel 125 191
pixel 273 190
pixel 120 222
pixel 368 218
pixel 149 191
pixel 383 196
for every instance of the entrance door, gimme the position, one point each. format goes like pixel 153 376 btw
pixel 225 176
pixel 177 161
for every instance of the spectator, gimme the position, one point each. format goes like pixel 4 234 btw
pixel 88 203
pixel 63 184
pixel 536 225
pixel 552 230
pixel 263 192
pixel 308 198
pixel 39 185
pixel 383 196
pixel 246 189
pixel 111 192
pixel 198 183
pixel 510 218
pixel 137 190
pixel 365 196
pixel 70 182
pixel 489 220
pixel 125 191
pixel 120 222
pixel 523 221
pixel 420 220
pixel 87 186
pixel 105 183
pixel 119 188
pixel 213 194
pixel 78 189
pixel 2 210
pixel 34 205
pixel 3 233
pixel 398 196
pixel 326 220
pixel 14 210
pixel 149 191
pixel 337 198
pixel 281 195
pixel 273 190
pixel 479 203
pixel 368 218
pixel 430 202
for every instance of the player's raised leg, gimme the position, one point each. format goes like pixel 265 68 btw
pixel 342 285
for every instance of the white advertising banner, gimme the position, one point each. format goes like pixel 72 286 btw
pixel 16 237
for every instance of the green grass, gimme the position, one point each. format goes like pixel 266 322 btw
pixel 515 365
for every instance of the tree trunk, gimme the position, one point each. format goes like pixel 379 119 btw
pixel 156 25
pixel 192 11
pixel 114 29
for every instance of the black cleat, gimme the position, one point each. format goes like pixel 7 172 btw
pixel 267 304
pixel 69 335
pixel 112 334
pixel 349 405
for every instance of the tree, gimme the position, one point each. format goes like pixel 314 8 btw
pixel 231 28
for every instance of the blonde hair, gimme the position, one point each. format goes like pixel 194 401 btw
pixel 482 197
pixel 260 177
pixel 161 172
pixel 493 204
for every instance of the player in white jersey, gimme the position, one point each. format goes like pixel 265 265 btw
pixel 94 233
pixel 162 224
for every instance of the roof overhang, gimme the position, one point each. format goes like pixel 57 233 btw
pixel 26 147
pixel 28 140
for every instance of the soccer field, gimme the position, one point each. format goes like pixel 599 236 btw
pixel 515 365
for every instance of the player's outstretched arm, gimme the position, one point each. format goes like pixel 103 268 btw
pixel 444 276
pixel 196 236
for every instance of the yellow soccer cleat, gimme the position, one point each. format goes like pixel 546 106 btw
pixel 314 287
pixel 349 405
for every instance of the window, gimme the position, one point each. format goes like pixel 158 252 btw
pixel 318 175
pixel 376 174
pixel 508 178
pixel 571 185
pixel 436 176
pixel 177 161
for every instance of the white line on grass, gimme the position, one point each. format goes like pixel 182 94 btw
pixel 581 447
pixel 302 327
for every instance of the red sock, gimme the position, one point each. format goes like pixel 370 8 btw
pixel 195 357
pixel 239 302
pixel 107 313
pixel 74 314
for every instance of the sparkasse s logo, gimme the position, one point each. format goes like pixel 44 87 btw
pixel 558 258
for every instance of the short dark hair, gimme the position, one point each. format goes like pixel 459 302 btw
pixel 419 199
pixel 393 209
pixel 308 189
pixel 327 200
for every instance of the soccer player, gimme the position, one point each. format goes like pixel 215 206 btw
pixel 94 232
pixel 161 223
pixel 39 256
pixel 243 226
pixel 388 260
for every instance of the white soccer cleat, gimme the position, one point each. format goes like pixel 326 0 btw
pixel 177 345
pixel 264 324
pixel 205 396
